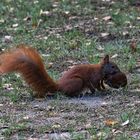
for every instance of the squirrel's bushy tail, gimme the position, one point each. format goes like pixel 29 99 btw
pixel 28 63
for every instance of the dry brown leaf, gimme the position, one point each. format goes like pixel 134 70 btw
pixel 110 122
pixel 34 25
pixel 133 46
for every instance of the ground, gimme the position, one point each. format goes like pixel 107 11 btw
pixel 66 33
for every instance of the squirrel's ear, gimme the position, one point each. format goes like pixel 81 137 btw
pixel 106 59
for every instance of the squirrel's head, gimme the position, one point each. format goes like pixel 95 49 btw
pixel 108 67
pixel 112 75
pixel 117 80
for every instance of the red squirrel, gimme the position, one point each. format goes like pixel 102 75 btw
pixel 26 61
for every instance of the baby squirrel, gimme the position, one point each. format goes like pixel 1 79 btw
pixel 26 61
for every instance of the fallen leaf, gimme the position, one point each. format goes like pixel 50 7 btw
pixel 15 25
pixel 45 37
pixel 110 122
pixel 104 34
pixel 35 2
pixel 116 131
pixel 8 39
pixel 55 4
pixel 56 126
pixel 45 13
pixel 36 24
pixel 95 18
pixel 66 12
pixel 26 117
pixel 110 23
pixel 88 125
pixel 125 33
pixel 2 21
pixel 50 65
pixel 28 18
pixel 106 0
pixel 8 87
pixel 114 56
pixel 100 48
pixel 133 46
pixel 68 27
pixel 101 134
pixel 101 55
pixel 70 61
pixel 125 123
pixel 107 18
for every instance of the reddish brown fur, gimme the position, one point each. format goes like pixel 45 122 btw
pixel 27 62
pixel 117 80
pixel 79 77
